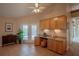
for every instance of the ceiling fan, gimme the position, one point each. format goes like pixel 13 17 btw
pixel 37 8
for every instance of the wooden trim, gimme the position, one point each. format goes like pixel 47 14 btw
pixel 75 11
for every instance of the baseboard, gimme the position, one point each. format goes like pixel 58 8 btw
pixel 31 42
pixel 28 43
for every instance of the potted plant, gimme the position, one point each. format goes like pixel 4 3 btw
pixel 20 36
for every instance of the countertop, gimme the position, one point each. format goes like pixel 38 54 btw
pixel 54 38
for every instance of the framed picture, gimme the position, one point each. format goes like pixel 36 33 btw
pixel 8 27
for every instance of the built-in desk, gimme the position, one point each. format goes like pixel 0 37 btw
pixel 56 44
pixel 41 41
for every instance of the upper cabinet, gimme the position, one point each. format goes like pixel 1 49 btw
pixel 52 23
pixel 59 22
pixel 45 24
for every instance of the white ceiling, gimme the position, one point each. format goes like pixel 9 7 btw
pixel 75 6
pixel 18 9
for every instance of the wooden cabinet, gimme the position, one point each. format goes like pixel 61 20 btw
pixel 37 41
pixel 54 45
pixel 9 39
pixel 52 23
pixel 57 46
pixel 51 44
pixel 44 43
pixel 59 22
pixel 45 24
pixel 60 46
pixel 41 25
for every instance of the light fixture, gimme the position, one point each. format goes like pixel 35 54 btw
pixel 36 5
pixel 56 18
pixel 36 9
pixel 57 30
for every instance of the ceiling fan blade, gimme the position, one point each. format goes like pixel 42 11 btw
pixel 30 7
pixel 42 7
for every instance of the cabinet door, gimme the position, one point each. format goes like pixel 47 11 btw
pixel 47 23
pixel 44 24
pixel 54 45
pixel 44 42
pixel 52 23
pixel 49 44
pixel 60 47
pixel 61 22
pixel 37 41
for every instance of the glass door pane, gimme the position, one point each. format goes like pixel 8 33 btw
pixel 75 28
pixel 25 32
pixel 34 31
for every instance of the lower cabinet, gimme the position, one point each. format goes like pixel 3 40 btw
pixel 40 42
pixel 37 41
pixel 51 44
pixel 44 43
pixel 60 47
pixel 56 45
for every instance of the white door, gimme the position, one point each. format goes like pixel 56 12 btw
pixel 75 29
pixel 34 31
pixel 25 32
pixel 29 32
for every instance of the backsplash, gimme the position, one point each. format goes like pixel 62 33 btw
pixel 60 33
pixel 46 31
pixel 56 32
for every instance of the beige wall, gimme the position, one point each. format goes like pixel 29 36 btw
pixel 3 21
pixel 75 6
pixel 17 22
pixel 55 10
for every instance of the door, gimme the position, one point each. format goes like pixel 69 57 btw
pixel 34 31
pixel 75 29
pixel 29 33
pixel 25 32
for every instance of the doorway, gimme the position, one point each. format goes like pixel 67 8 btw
pixel 75 29
pixel 34 31
pixel 74 32
pixel 29 32
pixel 25 32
